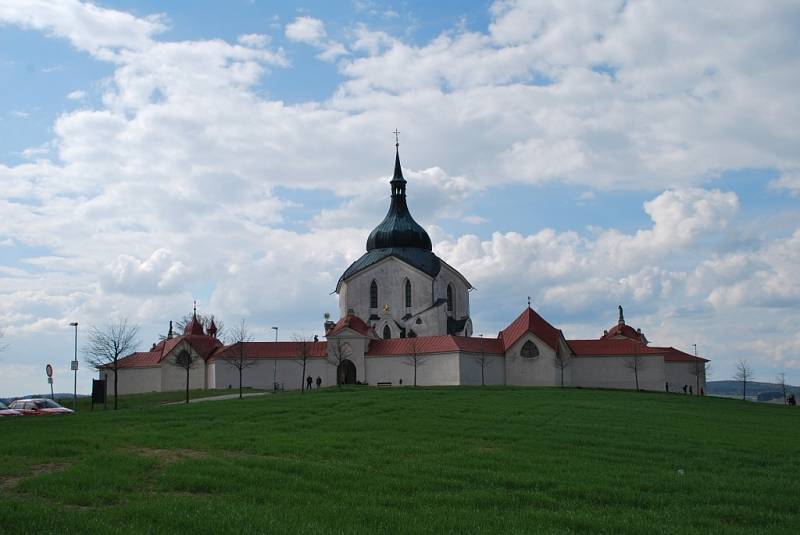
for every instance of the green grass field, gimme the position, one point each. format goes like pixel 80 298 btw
pixel 434 460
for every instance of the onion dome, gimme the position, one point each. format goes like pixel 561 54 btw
pixel 398 228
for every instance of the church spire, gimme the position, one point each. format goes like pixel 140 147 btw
pixel 398 183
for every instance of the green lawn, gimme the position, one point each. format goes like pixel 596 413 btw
pixel 438 460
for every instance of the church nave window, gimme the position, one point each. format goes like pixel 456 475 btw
pixel 373 295
pixel 408 293
pixel 387 332
pixel 450 305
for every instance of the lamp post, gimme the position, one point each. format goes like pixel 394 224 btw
pixel 74 367
pixel 275 364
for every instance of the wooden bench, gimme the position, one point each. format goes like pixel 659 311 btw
pixel 385 383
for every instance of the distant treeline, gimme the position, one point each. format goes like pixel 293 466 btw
pixel 754 389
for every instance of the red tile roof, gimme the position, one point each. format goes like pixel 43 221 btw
pixel 144 359
pixel 434 344
pixel 272 350
pixel 676 355
pixel 350 321
pixel 611 347
pixel 202 344
pixel 530 321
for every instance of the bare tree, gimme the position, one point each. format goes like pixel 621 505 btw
pixel 483 361
pixel 107 345
pixel 186 360
pixel 781 380
pixel 303 354
pixel 238 338
pixel 744 374
pixel 635 363
pixel 563 360
pixel 414 358
pixel 338 352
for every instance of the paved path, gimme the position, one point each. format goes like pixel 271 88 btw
pixel 218 398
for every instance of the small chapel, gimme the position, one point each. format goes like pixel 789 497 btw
pixel 404 320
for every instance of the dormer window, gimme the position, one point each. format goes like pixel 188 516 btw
pixel 387 332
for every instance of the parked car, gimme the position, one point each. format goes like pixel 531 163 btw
pixel 5 411
pixel 38 407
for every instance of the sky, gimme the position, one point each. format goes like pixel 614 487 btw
pixel 587 154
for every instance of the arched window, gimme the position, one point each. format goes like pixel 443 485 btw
pixel 408 293
pixel 529 350
pixel 373 295
pixel 450 303
pixel 387 332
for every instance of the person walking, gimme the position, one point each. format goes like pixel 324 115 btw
pixel 319 381
pixel 309 380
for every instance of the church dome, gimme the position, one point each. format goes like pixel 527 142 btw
pixel 398 228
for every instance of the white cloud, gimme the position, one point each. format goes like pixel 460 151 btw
pixel 88 27
pixel 76 95
pixel 306 30
pixel 165 191
pixel 255 40
pixel 312 32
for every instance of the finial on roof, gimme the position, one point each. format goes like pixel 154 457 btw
pixel 169 334
pixel 396 138
pixel 529 301
pixel 194 313
pixel 621 316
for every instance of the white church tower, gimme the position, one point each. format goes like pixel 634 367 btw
pixel 399 287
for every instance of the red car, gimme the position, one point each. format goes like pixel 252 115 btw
pixel 38 407
pixel 5 411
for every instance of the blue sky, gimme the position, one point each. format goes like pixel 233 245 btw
pixel 237 153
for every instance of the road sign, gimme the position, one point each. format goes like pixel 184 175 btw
pixel 73 365
pixel 49 370
pixel 49 380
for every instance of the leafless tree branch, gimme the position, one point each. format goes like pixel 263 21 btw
pixel 106 345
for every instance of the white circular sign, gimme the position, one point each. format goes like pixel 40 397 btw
pixel 49 370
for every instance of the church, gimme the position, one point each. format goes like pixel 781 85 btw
pixel 404 320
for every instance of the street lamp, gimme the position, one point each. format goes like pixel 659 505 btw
pixel 275 364
pixel 74 366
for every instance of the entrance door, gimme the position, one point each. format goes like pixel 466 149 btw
pixel 346 373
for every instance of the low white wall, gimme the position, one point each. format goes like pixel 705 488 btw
pixel 133 380
pixel 680 373
pixel 432 369
pixel 261 372
pixel 610 372
pixel 494 372
pixel 537 371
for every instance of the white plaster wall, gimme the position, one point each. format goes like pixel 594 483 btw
pixel 133 380
pixel 446 276
pixel 680 373
pixel 470 369
pixel 174 377
pixel 434 369
pixel 260 373
pixel 358 345
pixel 610 372
pixel 390 274
pixel 538 371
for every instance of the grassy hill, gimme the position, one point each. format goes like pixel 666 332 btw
pixel 408 461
